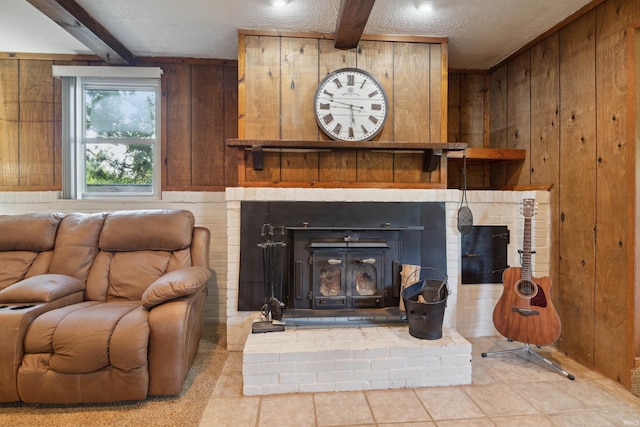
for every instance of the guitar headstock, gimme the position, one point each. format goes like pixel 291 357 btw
pixel 528 208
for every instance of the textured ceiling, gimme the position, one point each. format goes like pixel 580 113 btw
pixel 481 32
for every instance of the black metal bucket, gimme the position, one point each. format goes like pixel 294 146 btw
pixel 425 318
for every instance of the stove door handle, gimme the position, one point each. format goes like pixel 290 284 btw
pixel 334 261
pixel 366 261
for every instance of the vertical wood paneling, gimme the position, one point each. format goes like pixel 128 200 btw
pixel 207 125
pixel 454 124
pixel 422 107
pixel 411 98
pixel 230 124
pixel 472 109
pixel 262 101
pixel 412 106
pixel 36 123
pixel 498 116
pixel 438 75
pixel 614 246
pixel 335 166
pixel 578 187
pixel 299 62
pixel 177 158
pixel 454 110
pixel 437 94
pixel 9 122
pixel 472 99
pixel 377 58
pixel 519 117
pixel 545 139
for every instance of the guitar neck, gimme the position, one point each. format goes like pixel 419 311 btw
pixel 526 250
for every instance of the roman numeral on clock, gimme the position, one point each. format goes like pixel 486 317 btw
pixel 373 119
pixel 337 128
pixel 350 79
pixel 326 92
pixel 372 94
pixel 375 107
pixel 325 106
pixel 328 118
pixel 337 82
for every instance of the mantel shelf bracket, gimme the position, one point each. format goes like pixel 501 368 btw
pixel 256 151
pixel 431 159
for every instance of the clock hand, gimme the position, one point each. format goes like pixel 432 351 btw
pixel 348 105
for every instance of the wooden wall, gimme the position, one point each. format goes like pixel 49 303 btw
pixel 200 112
pixel 279 75
pixel 565 101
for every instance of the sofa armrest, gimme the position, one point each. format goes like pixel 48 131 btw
pixel 41 288
pixel 176 284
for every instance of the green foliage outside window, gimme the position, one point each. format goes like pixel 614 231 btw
pixel 112 115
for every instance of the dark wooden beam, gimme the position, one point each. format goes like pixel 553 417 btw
pixel 73 18
pixel 351 22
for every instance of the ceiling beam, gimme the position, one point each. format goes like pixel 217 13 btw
pixel 73 18
pixel 351 21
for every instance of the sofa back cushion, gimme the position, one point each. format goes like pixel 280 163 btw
pixel 26 245
pixel 77 244
pixel 135 249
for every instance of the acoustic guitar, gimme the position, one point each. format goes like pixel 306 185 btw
pixel 525 312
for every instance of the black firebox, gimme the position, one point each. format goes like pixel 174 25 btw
pixel 338 268
pixel 340 256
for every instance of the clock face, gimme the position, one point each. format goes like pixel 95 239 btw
pixel 350 105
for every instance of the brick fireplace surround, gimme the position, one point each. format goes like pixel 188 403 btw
pixel 378 357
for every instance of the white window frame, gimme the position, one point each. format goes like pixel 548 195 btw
pixel 74 80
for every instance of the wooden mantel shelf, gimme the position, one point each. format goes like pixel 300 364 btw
pixel 349 145
pixel 432 151
pixel 489 154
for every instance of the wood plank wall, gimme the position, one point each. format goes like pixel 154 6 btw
pixel 199 107
pixel 279 75
pixel 565 101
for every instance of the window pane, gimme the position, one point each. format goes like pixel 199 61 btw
pixel 120 113
pixel 119 168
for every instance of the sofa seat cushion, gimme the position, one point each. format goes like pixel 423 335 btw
pixel 98 350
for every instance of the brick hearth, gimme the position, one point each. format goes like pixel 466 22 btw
pixel 361 358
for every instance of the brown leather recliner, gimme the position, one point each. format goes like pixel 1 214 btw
pixel 137 331
pixel 44 262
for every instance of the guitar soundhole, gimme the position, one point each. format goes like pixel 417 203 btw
pixel 526 288
pixel 530 290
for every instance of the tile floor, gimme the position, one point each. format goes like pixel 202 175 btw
pixel 507 390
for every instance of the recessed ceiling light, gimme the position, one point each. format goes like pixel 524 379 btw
pixel 280 3
pixel 425 6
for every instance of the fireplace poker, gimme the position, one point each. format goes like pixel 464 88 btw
pixel 272 308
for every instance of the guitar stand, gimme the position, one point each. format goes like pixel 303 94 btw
pixel 528 349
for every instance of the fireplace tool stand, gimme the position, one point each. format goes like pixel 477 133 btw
pixel 527 348
pixel 272 259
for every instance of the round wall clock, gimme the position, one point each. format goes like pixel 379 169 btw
pixel 350 105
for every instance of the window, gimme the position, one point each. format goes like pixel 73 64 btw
pixel 110 131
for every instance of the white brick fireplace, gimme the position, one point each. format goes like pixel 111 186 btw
pixel 468 314
pixel 470 307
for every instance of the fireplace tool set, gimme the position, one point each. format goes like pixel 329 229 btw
pixel 272 264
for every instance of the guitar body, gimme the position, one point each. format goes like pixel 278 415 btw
pixel 525 312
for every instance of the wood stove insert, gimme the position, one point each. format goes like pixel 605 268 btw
pixel 342 258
